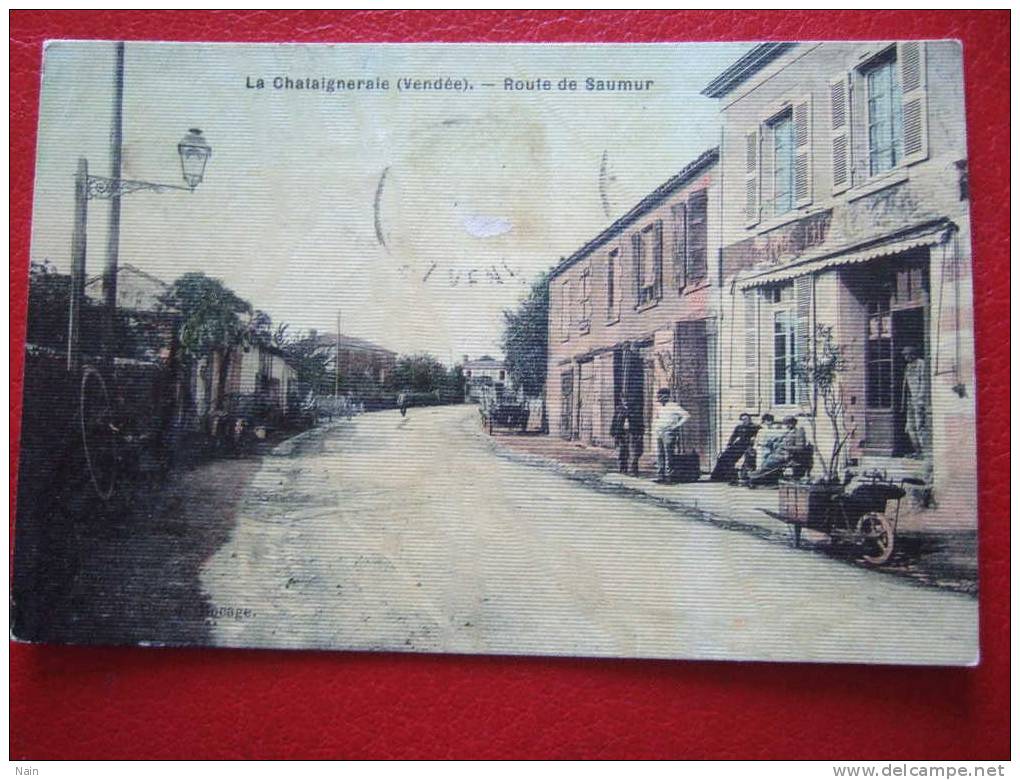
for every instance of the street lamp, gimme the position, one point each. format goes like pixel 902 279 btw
pixel 194 152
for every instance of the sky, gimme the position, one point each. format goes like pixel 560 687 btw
pixel 418 215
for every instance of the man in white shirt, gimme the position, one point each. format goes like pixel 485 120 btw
pixel 667 419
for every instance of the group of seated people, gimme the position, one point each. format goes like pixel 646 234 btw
pixel 783 448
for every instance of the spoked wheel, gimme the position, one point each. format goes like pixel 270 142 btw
pixel 98 434
pixel 876 538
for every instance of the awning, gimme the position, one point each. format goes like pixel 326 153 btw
pixel 928 234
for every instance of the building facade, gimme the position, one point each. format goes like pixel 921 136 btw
pixel 848 229
pixel 258 381
pixel 634 310
pixel 481 373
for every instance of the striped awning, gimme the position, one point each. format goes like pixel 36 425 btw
pixel 927 234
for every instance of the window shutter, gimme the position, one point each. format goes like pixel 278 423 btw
pixel 657 258
pixel 680 246
pixel 802 152
pixel 752 184
pixel 913 83
pixel 839 108
pixel 635 245
pixel 751 350
pixel 802 289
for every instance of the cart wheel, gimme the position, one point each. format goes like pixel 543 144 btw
pixel 876 538
pixel 98 437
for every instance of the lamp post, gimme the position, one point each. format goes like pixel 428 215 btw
pixel 194 152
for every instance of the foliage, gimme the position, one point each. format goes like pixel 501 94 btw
pixel 213 317
pixel 525 340
pixel 423 373
pixel 820 371
pixel 49 299
pixel 309 357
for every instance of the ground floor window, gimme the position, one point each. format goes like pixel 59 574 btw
pixel 784 358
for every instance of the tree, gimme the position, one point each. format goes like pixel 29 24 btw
pixel 309 357
pixel 214 320
pixel 526 338
pixel 819 372
pixel 420 373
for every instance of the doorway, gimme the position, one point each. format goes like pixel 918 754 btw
pixel 896 305
pixel 567 405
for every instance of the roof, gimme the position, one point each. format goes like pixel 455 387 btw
pixel 485 361
pixel 646 204
pixel 350 342
pixel 122 267
pixel 745 67
pixel 926 234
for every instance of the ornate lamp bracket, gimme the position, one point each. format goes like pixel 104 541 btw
pixel 103 188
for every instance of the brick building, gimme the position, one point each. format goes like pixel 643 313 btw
pixel 634 310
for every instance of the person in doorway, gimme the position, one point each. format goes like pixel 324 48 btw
pixel 668 418
pixel 628 430
pixel 915 400
pixel 740 445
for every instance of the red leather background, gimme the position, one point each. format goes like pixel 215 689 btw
pixel 69 702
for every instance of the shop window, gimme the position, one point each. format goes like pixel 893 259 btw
pixel 784 358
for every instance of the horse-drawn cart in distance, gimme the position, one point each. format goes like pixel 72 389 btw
pixel 499 407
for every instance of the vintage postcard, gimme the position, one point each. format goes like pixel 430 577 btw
pixel 599 350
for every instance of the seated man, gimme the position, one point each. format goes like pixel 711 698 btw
pixel 739 446
pixel 783 452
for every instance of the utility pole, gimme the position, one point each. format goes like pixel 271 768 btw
pixel 336 379
pixel 78 241
pixel 113 232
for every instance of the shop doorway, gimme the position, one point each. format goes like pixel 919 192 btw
pixel 896 301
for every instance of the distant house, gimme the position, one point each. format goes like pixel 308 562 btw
pixel 136 289
pixel 363 365
pixel 486 371
pixel 259 381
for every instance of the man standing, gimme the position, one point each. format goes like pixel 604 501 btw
pixel 628 429
pixel 669 417
pixel 915 399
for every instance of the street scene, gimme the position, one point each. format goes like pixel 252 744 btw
pixel 464 372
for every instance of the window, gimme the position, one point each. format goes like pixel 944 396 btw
pixel 697 237
pixel 885 115
pixel 777 162
pixel 564 310
pixel 786 342
pixel 584 323
pixel 612 285
pixel 781 130
pixel 879 116
pixel 648 263
pixel 784 358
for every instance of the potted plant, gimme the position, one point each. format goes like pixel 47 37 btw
pixel 818 375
